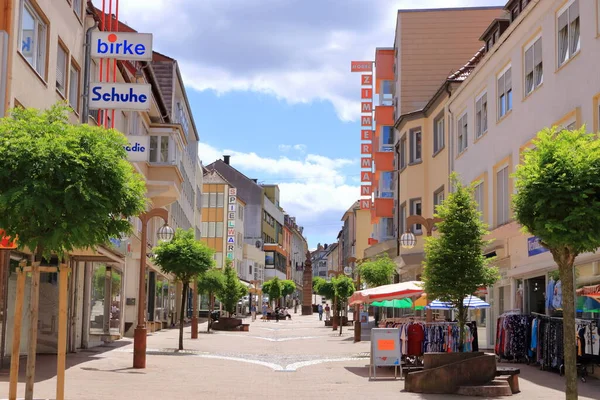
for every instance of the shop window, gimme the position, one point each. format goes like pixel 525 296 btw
pixel 105 302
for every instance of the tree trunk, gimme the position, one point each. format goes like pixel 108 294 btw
pixel 211 308
pixel 340 316
pixel 183 296
pixel 565 267
pixel 461 326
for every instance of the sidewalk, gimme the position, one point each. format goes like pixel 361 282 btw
pixel 298 359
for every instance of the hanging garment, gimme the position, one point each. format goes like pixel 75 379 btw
pixel 550 294
pixel 557 299
pixel 416 335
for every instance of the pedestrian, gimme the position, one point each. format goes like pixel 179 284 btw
pixel 264 312
pixel 327 312
pixel 253 312
pixel 277 314
pixel 320 309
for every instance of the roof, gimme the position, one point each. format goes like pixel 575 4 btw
pixel 464 71
pixel 208 171
pixel 501 23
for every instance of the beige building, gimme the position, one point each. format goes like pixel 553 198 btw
pixel 535 74
pixel 44 42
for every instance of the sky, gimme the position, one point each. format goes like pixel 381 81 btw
pixel 269 83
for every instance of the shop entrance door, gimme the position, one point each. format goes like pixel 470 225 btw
pixel 535 294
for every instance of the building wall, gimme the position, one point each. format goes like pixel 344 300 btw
pixel 433 43
pixel 214 213
pixel 239 239
pixel 363 233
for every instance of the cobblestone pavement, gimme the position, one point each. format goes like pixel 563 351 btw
pixel 299 359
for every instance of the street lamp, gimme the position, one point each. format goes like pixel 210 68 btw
pixel 408 240
pixel 165 233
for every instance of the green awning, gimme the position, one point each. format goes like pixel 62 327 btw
pixel 401 303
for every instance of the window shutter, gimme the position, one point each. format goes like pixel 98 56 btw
pixel 61 66
pixel 563 20
pixel 529 60
pixel 537 52
pixel 574 11
pixel 501 86
pixel 508 80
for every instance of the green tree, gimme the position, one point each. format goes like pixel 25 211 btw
pixel 233 290
pixel 288 287
pixel 377 272
pixel 185 258
pixel 210 283
pixel 273 288
pixel 454 265
pixel 558 200
pixel 326 289
pixel 64 186
pixel 343 287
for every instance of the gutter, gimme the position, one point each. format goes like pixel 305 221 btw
pixel 156 92
pixel 87 65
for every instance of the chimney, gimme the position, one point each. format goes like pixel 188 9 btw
pixel 255 180
pixel 226 159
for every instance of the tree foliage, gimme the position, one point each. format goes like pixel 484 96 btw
pixel 64 186
pixel 209 284
pixel 273 288
pixel 343 287
pixel 99 279
pixel 316 282
pixel 185 258
pixel 233 290
pixel 454 265
pixel 377 272
pixel 558 200
pixel 326 289
pixel 288 287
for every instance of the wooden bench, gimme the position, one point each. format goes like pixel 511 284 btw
pixel 510 375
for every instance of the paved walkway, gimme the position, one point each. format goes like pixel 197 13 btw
pixel 297 359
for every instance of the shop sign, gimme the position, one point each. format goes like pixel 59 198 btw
pixel 232 191
pixel 231 215
pixel 231 224
pixel 230 256
pixel 231 239
pixel 231 208
pixel 535 247
pixel 137 148
pixel 230 247
pixel 232 199
pixel 120 96
pixel 122 45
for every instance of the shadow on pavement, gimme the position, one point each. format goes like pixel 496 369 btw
pixel 45 367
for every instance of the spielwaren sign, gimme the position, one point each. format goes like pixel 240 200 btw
pixel 366 130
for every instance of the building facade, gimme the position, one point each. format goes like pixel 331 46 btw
pixel 536 64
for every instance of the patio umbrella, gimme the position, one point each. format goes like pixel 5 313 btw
pixel 589 291
pixel 398 303
pixel 387 292
pixel 472 302
pixel 421 301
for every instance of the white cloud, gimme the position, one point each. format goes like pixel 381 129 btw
pixel 313 189
pixel 296 50
pixel 284 148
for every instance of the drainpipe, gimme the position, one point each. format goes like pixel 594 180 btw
pixel 398 233
pixel 87 65
pixel 450 138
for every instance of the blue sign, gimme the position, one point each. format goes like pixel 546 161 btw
pixel 534 246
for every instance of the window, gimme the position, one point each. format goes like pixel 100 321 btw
pixel 415 209
pixel 62 55
pixel 134 122
pixel 212 200
pixel 568 32
pixel 387 228
pixel 438 198
pixel 438 134
pixel 481 125
pixel 534 68
pixel 504 93
pixel 212 227
pixel 502 196
pixel 32 36
pixel 402 217
pixel 220 200
pixel 240 212
pixel 204 232
pixel 78 7
pixel 403 152
pixel 74 88
pixel 415 145
pixel 387 184
pixel 463 133
pixel 219 229
pixel 514 13
pixel 205 200
pixel 478 194
pixel 159 149
pixel 387 136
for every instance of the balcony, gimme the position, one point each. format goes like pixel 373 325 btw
pixel 164 176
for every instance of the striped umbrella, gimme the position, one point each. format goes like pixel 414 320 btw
pixel 472 302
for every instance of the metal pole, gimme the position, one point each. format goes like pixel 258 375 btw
pixel 139 336
pixel 87 62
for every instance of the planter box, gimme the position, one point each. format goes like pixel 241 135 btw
pixel 226 324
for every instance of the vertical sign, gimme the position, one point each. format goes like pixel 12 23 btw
pixel 366 129
pixel 231 212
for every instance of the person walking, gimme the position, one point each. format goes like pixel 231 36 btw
pixel 264 312
pixel 320 310
pixel 253 312
pixel 277 314
pixel 327 312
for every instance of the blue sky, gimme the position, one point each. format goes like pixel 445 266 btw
pixel 269 82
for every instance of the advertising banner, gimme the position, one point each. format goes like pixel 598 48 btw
pixel 120 96
pixel 138 148
pixel 122 45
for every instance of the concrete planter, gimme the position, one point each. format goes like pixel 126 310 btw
pixel 226 324
pixel 444 373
